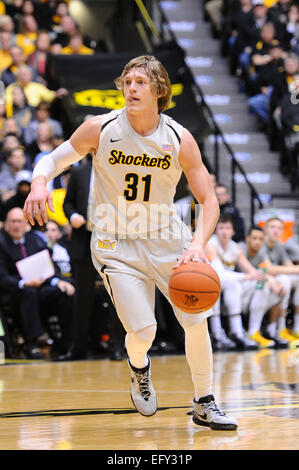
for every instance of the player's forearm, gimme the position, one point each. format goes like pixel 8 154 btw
pixel 54 163
pixel 206 223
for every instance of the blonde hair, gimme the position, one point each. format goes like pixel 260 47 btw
pixel 157 74
pixel 272 219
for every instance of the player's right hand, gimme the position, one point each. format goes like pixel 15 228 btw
pixel 35 204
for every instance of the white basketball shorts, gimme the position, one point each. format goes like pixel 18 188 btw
pixel 131 268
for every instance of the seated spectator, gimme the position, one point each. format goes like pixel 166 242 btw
pixel 22 112
pixel 69 28
pixel 7 24
pixel 238 288
pixel 9 75
pixel 261 59
pixel 271 292
pixel 278 263
pixel 280 88
pixel 15 162
pixel 262 81
pixel 76 46
pixel 28 8
pixel 42 114
pixel 227 207
pixel 35 92
pixel 9 142
pixel 249 30
pixel 5 57
pixel 26 38
pixel 23 183
pixel 289 119
pixel 43 143
pixel 61 11
pixel 41 61
pixel 33 300
pixel 11 126
pixel 59 253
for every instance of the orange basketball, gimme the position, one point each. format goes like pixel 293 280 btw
pixel 194 287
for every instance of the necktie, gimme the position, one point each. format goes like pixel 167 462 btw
pixel 23 250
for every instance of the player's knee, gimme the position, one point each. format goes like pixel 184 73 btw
pixel 145 335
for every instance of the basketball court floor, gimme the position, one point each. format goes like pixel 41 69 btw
pixel 85 405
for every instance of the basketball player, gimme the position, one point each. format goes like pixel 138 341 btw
pixel 138 157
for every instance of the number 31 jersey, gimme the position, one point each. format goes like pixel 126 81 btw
pixel 135 177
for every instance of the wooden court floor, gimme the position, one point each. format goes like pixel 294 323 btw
pixel 86 405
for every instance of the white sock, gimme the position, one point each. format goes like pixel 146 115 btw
pixel 200 359
pixel 271 329
pixel 138 343
pixel 256 312
pixel 296 323
pixel 236 325
pixel 281 324
pixel 215 325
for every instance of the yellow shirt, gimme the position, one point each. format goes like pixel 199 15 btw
pixel 27 42
pixel 2 8
pixel 83 50
pixel 5 60
pixel 34 92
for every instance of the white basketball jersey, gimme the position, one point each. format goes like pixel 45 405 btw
pixel 135 176
pixel 229 256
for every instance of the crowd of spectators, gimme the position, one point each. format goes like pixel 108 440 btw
pixel 39 316
pixel 260 38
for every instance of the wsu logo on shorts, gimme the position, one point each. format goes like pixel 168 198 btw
pixel 106 245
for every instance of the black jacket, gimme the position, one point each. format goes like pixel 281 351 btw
pixel 10 253
pixel 76 200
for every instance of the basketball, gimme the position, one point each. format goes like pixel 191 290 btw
pixel 194 287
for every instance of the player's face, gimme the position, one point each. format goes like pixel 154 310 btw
pixel 274 230
pixel 224 231
pixel 255 240
pixel 138 91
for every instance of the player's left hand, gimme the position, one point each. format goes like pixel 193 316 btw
pixel 195 252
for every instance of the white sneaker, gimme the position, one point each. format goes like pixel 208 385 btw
pixel 206 413
pixel 143 394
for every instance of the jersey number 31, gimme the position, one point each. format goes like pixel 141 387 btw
pixel 131 191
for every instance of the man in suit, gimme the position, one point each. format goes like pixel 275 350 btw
pixel 75 207
pixel 33 299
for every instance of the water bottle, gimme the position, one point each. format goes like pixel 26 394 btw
pixel 260 284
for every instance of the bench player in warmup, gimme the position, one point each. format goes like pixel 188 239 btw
pixel 139 154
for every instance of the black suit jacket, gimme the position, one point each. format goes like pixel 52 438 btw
pixel 10 253
pixel 76 200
